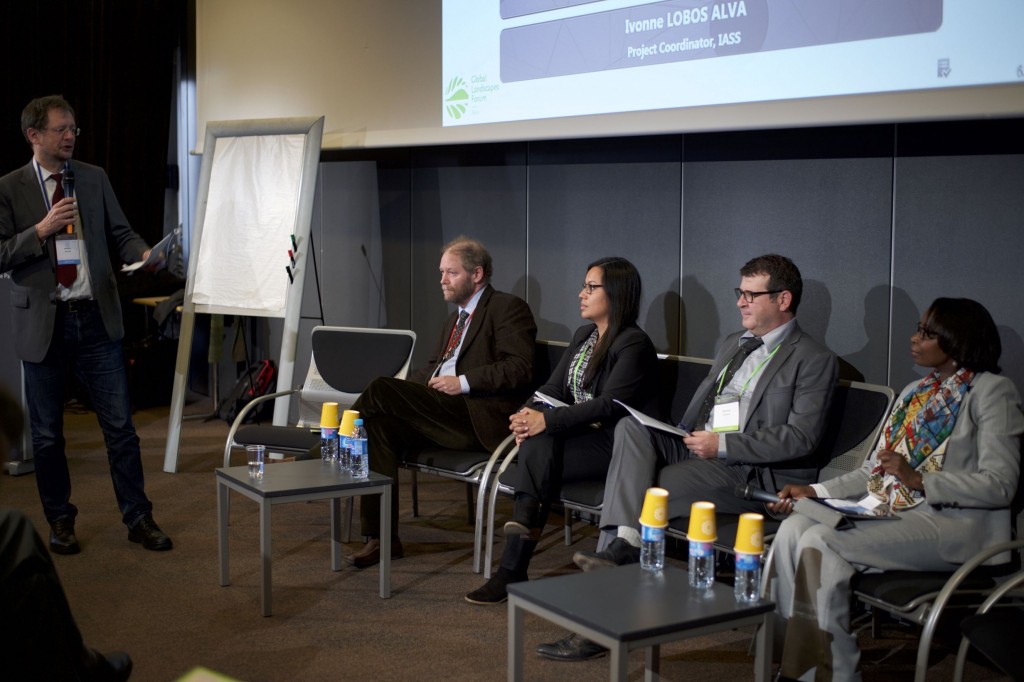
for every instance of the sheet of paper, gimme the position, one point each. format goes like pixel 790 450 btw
pixel 162 247
pixel 651 422
pixel 548 400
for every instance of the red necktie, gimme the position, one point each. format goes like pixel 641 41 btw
pixel 453 340
pixel 66 274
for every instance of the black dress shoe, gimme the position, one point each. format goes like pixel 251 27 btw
pixel 113 667
pixel 62 536
pixel 618 553
pixel 572 648
pixel 370 554
pixel 495 590
pixel 146 531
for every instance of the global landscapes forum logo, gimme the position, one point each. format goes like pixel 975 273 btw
pixel 456 98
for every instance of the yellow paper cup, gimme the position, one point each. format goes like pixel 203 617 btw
pixel 348 422
pixel 655 511
pixel 702 522
pixel 329 415
pixel 750 534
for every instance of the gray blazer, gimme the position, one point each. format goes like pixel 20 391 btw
pixel 32 265
pixel 786 417
pixel 971 496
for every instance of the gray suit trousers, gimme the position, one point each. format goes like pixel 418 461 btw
pixel 814 566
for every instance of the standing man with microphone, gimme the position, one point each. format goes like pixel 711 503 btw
pixel 57 220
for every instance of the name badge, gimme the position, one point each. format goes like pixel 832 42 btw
pixel 726 415
pixel 69 250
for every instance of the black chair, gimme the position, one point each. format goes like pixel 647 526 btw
pixel 996 633
pixel 680 376
pixel 474 467
pixel 854 420
pixel 344 361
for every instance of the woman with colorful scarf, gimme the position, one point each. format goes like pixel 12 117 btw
pixel 609 359
pixel 947 464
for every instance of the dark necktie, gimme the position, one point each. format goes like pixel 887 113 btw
pixel 748 346
pixel 66 274
pixel 456 337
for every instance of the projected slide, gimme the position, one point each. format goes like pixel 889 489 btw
pixel 511 60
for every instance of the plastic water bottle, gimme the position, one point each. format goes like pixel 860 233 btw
pixel 360 456
pixel 702 564
pixel 345 453
pixel 329 443
pixel 652 548
pixel 748 577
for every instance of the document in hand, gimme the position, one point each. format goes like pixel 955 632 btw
pixel 837 513
pixel 162 248
pixel 652 423
pixel 548 400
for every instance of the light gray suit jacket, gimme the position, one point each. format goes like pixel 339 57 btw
pixel 971 496
pixel 786 417
pixel 32 265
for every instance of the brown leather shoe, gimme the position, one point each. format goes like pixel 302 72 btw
pixel 370 554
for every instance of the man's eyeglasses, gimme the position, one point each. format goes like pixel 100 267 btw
pixel 926 333
pixel 589 288
pixel 749 296
pixel 63 130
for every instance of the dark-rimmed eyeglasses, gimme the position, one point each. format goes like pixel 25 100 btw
pixel 749 296
pixel 589 288
pixel 925 332
pixel 63 130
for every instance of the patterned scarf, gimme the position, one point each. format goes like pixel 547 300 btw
pixel 918 428
pixel 578 370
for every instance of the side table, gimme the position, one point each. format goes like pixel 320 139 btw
pixel 627 608
pixel 300 482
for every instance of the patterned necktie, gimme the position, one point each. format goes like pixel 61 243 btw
pixel 748 346
pixel 456 337
pixel 66 274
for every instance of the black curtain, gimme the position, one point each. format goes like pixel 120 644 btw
pixel 114 61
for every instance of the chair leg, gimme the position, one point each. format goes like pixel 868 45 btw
pixel 415 495
pixel 567 524
pixel 470 515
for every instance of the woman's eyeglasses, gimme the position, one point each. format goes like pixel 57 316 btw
pixel 589 288
pixel 926 333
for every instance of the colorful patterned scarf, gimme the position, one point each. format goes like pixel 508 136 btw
pixel 918 428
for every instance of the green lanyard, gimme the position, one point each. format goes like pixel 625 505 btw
pixel 760 365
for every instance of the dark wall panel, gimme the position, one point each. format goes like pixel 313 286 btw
pixel 604 198
pixel 830 215
pixel 959 231
pixel 475 192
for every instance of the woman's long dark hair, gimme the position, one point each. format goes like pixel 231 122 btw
pixel 966 333
pixel 622 287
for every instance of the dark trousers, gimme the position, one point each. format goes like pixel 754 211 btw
pixel 403 415
pixel 80 344
pixel 544 463
pixel 40 638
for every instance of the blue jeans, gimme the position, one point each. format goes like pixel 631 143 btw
pixel 80 343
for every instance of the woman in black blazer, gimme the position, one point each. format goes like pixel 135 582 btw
pixel 609 359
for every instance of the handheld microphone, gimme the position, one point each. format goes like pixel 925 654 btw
pixel 376 282
pixel 749 492
pixel 68 180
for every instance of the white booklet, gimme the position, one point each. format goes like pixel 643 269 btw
pixel 652 423
pixel 162 247
pixel 548 400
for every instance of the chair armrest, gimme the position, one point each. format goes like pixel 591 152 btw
pixel 961 574
pixel 240 418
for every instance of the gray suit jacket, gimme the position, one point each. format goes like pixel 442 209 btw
pixel 971 496
pixel 32 266
pixel 786 417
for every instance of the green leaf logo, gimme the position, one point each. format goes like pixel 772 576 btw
pixel 456 98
